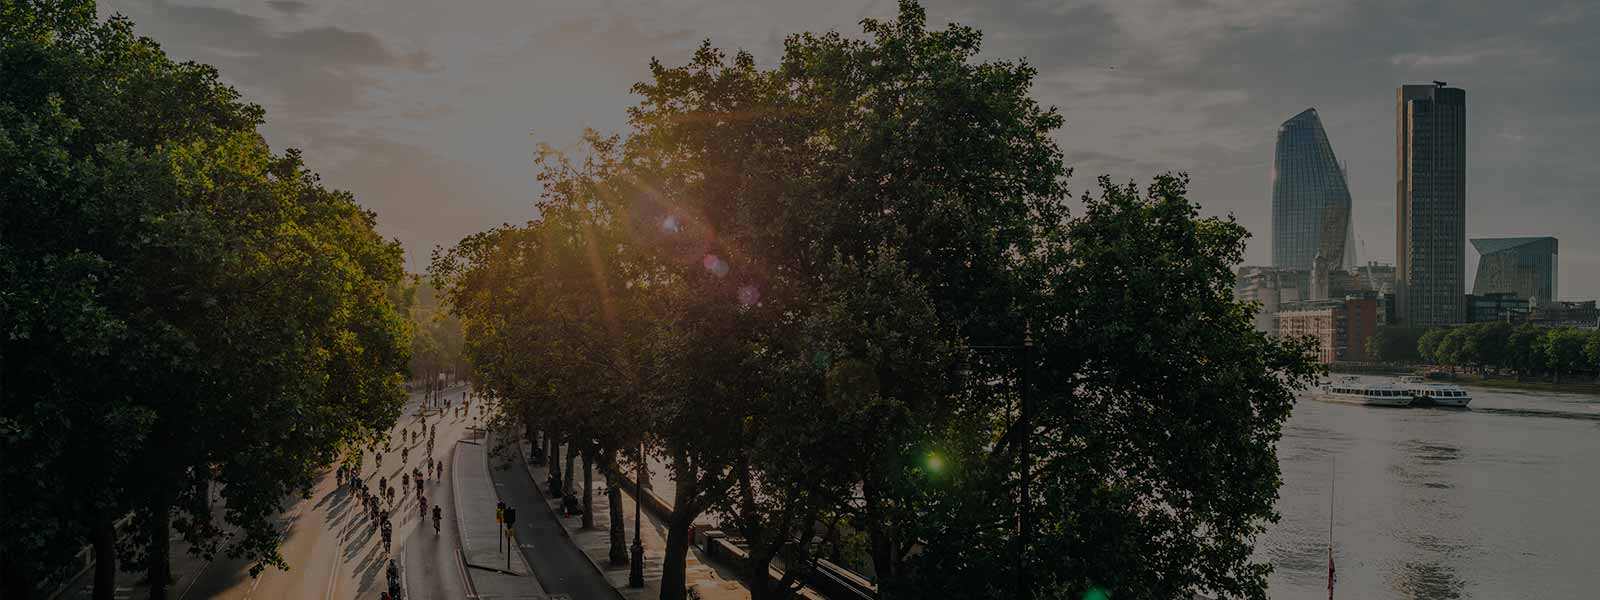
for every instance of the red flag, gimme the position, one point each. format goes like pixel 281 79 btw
pixel 1330 573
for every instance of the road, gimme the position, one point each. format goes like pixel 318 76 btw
pixel 333 550
pixel 559 564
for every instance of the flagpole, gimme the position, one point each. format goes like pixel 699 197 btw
pixel 1332 482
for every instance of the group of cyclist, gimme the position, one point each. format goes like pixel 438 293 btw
pixel 377 502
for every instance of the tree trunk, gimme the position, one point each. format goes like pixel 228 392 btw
pixel 755 574
pixel 103 534
pixel 554 458
pixel 16 579
pixel 572 455
pixel 879 540
pixel 588 486
pixel 159 565
pixel 619 532
pixel 684 512
pixel 673 577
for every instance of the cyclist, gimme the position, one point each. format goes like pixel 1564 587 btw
pixel 405 454
pixel 439 472
pixel 422 506
pixel 388 532
pixel 436 513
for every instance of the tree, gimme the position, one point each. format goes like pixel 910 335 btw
pixel 1523 349
pixel 1563 349
pixel 826 237
pixel 1429 345
pixel 1591 351
pixel 1394 344
pixel 178 289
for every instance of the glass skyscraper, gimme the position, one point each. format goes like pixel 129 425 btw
pixel 1522 266
pixel 1310 198
pixel 1430 205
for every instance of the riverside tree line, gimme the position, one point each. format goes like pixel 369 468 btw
pixel 824 293
pixel 1526 350
pixel 184 313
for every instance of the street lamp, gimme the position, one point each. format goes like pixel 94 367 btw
pixel 1025 467
pixel 636 571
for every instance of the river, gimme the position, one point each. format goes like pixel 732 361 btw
pixel 1498 501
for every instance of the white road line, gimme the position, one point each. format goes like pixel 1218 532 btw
pixel 461 568
pixel 195 580
pixel 333 577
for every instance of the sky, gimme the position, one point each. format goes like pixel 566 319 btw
pixel 430 112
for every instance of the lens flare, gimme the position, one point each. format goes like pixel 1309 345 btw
pixel 749 296
pixel 715 265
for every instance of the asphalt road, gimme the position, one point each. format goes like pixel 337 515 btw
pixel 560 565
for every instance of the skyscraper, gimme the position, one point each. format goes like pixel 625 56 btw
pixel 1431 204
pixel 1522 266
pixel 1310 198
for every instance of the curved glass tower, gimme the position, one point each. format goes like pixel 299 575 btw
pixel 1310 199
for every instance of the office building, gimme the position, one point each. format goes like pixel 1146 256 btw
pixel 1310 199
pixel 1270 288
pixel 1376 276
pixel 1566 314
pixel 1497 307
pixel 1342 328
pixel 1431 204
pixel 1523 266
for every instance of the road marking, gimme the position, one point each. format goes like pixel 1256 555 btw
pixel 333 576
pixel 195 580
pixel 461 568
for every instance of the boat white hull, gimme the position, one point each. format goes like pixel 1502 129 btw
pixel 1459 402
pixel 1395 402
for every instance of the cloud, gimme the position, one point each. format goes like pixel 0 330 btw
pixel 1567 14
pixel 313 71
pixel 1144 86
pixel 1417 60
pixel 288 7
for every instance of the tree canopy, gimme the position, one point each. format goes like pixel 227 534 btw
pixel 820 291
pixel 181 306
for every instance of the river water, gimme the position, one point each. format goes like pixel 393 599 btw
pixel 1498 501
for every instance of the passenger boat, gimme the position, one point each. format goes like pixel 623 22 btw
pixel 1435 394
pixel 1354 391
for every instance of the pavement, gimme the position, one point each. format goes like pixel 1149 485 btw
pixel 493 567
pixel 332 549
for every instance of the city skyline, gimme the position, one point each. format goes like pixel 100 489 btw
pixel 398 103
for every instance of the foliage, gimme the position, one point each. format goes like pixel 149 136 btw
pixel 774 276
pixel 1395 344
pixel 182 307
pixel 1526 349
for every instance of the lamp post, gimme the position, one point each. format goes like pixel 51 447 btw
pixel 636 571
pixel 1025 460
